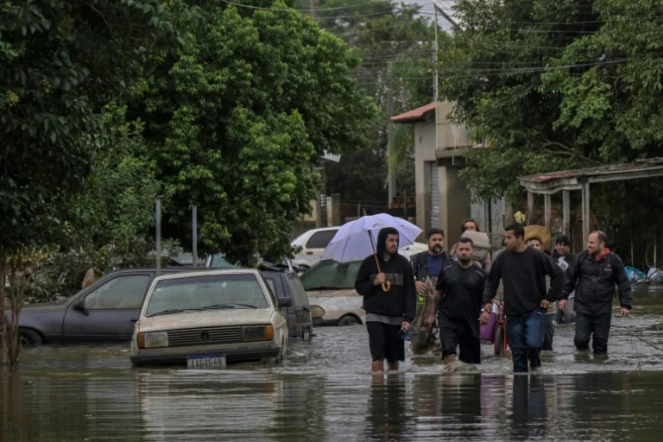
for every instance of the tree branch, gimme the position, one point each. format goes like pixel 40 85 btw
pixel 567 151
pixel 103 18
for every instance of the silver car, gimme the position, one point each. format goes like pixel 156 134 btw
pixel 205 319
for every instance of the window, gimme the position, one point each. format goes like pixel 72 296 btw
pixel 320 240
pixel 298 291
pixel 331 275
pixel 123 292
pixel 199 292
pixel 274 293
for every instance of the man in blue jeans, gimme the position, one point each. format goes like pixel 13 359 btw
pixel 593 274
pixel 523 272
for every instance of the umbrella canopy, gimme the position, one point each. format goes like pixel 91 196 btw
pixel 356 240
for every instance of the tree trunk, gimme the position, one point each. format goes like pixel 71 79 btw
pixel 16 290
pixel 4 328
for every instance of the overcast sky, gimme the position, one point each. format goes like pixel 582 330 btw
pixel 427 7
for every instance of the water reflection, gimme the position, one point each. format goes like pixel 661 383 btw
pixel 326 393
pixel 386 408
pixel 528 418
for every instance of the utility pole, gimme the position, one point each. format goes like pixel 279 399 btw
pixel 435 85
pixel 390 145
pixel 312 7
pixel 158 234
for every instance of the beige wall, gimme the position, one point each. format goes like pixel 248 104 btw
pixel 449 135
pixel 454 203
pixel 424 138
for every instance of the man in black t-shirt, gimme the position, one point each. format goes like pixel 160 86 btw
pixel 460 284
pixel 523 271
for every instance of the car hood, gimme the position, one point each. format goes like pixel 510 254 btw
pixel 207 318
pixel 41 308
pixel 331 293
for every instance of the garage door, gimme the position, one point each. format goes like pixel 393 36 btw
pixel 434 195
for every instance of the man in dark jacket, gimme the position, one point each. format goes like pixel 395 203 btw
pixel 430 262
pixel 389 309
pixel 426 267
pixel 523 271
pixel 593 274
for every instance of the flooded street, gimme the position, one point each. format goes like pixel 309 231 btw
pixel 325 391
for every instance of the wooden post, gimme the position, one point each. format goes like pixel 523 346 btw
pixel 585 210
pixel 158 233
pixel 530 206
pixel 194 235
pixel 655 244
pixel 566 212
pixel 547 210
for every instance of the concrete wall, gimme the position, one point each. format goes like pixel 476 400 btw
pixel 449 135
pixel 455 202
pixel 498 216
pixel 424 138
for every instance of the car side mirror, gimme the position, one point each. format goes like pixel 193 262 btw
pixel 317 311
pixel 285 302
pixel 79 306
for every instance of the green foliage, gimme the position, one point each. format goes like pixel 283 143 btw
pixel 395 44
pixel 554 85
pixel 116 213
pixel 236 119
pixel 60 63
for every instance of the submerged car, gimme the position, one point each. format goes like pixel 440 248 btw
pixel 206 319
pixel 331 285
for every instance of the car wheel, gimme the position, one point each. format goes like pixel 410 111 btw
pixel 349 320
pixel 29 338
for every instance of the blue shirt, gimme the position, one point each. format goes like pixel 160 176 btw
pixel 435 265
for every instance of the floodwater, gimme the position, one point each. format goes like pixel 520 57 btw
pixel 325 392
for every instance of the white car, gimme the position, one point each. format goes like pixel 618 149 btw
pixel 313 243
pixel 409 251
pixel 205 319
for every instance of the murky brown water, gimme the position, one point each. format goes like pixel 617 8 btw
pixel 325 392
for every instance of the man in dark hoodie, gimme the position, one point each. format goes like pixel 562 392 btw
pixel 387 311
pixel 594 274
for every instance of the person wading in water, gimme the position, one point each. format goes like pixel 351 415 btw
pixel 426 267
pixel 594 274
pixel 461 285
pixel 523 271
pixel 387 311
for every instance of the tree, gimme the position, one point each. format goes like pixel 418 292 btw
pixel 394 41
pixel 553 85
pixel 236 119
pixel 60 63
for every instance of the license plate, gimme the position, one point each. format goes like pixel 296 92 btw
pixel 206 362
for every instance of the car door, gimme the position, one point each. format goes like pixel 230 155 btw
pixel 316 244
pixel 108 312
pixel 302 309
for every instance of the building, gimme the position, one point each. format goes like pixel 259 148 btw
pixel 442 198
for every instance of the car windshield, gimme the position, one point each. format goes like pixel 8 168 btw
pixel 207 291
pixel 331 275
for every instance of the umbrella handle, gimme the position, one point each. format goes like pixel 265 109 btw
pixel 386 286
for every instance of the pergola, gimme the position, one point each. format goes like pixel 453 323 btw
pixel 580 179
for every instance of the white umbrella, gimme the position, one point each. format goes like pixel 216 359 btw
pixel 356 239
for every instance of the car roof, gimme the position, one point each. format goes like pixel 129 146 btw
pixel 207 272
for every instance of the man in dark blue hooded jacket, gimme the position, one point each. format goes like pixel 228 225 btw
pixel 389 300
